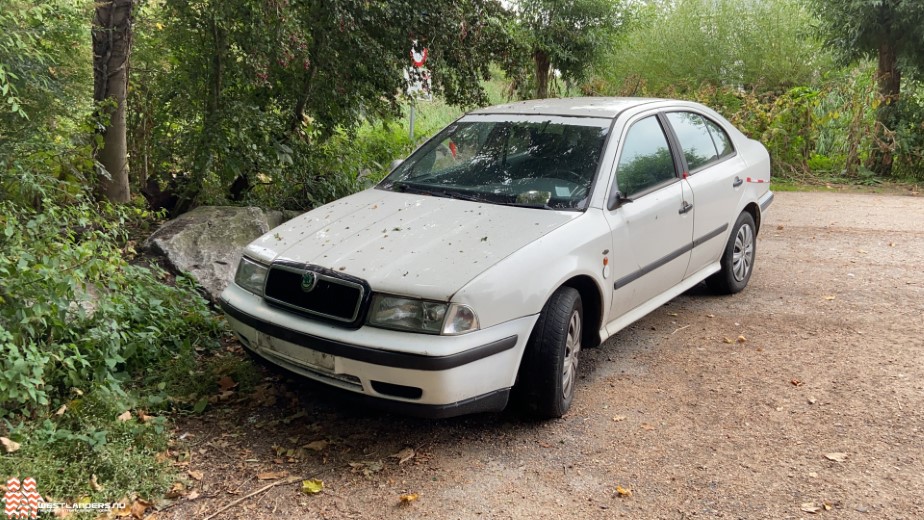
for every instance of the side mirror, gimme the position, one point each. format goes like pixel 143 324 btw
pixel 394 164
pixel 617 199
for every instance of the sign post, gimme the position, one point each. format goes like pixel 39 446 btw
pixel 417 78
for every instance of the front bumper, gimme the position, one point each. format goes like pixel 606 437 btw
pixel 416 374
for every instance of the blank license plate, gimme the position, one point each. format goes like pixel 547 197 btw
pixel 303 355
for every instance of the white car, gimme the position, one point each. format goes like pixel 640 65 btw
pixel 517 236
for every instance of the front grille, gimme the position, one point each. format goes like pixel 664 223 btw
pixel 316 291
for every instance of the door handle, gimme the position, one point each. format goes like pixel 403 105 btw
pixel 685 208
pixel 738 182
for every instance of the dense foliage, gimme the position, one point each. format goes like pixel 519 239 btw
pixel 762 65
pixel 686 44
pixel 236 94
pixel 553 39
pixel 892 32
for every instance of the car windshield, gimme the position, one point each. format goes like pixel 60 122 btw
pixel 536 161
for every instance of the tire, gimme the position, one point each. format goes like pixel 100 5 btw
pixel 737 259
pixel 548 373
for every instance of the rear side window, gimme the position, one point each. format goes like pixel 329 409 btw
pixel 645 160
pixel 721 139
pixel 695 138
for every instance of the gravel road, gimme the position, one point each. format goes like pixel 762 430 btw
pixel 802 397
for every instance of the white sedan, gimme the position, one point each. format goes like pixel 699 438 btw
pixel 518 235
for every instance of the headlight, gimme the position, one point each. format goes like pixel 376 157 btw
pixel 251 275
pixel 394 312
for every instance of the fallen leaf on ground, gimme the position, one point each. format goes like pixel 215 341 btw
pixel 829 298
pixel 61 410
pixel 710 315
pixel 312 487
pixel 796 382
pixel 139 506
pixel 741 339
pixel 619 418
pixel 317 445
pixel 809 507
pixel 404 455
pixel 192 496
pixel 646 426
pixel 623 492
pixel 125 416
pixel 176 491
pixel 407 498
pixel 200 405
pixel 196 475
pixel 95 483
pixel 836 456
pixel 226 383
pixel 11 446
pixel 272 475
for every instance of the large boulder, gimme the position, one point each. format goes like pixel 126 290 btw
pixel 206 243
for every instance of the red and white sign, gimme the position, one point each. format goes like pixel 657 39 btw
pixel 417 76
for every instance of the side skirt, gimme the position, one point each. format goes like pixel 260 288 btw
pixel 646 308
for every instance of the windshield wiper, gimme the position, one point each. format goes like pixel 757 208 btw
pixel 407 187
pixel 529 205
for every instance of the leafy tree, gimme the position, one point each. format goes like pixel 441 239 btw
pixel 45 81
pixel 892 31
pixel 252 88
pixel 112 43
pixel 566 36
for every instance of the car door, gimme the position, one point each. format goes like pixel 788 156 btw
pixel 712 167
pixel 650 222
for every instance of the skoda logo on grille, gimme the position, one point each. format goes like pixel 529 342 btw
pixel 309 280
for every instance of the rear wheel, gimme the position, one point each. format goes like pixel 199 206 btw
pixel 738 258
pixel 548 373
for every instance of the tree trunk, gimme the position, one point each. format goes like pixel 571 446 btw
pixel 889 79
pixel 112 43
pixel 542 73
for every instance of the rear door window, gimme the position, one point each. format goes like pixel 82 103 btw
pixel 695 139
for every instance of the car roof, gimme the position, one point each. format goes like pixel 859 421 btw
pixel 608 107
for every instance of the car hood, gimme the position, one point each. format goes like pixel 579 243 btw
pixel 407 244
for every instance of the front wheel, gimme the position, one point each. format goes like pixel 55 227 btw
pixel 738 258
pixel 548 373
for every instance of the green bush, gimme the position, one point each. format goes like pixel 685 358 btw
pixel 75 314
pixel 685 44
pixel 85 335
pixel 348 161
